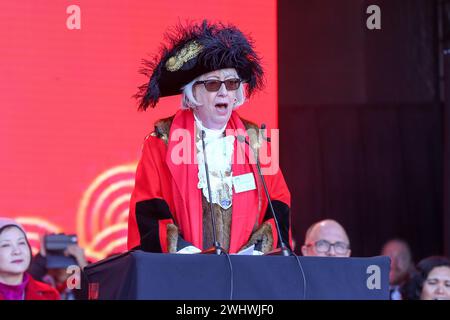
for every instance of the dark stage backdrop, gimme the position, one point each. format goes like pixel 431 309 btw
pixel 360 121
pixel 446 116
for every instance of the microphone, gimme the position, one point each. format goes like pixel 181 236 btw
pixel 216 248
pixel 283 250
pixel 263 130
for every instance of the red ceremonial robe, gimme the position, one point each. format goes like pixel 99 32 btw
pixel 166 192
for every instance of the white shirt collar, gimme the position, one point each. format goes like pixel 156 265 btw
pixel 209 133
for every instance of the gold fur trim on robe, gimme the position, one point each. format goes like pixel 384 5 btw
pixel 172 238
pixel 162 129
pixel 253 134
pixel 263 234
pixel 223 225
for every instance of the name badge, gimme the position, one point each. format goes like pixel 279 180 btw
pixel 244 182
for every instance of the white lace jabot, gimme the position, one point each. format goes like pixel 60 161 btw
pixel 219 153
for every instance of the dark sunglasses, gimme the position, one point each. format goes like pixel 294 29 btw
pixel 214 85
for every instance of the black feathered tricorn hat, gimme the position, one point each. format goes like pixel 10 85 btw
pixel 194 50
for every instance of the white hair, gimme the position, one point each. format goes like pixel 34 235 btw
pixel 188 100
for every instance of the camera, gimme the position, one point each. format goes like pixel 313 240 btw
pixel 55 245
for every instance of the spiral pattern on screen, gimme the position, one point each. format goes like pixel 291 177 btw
pixel 102 217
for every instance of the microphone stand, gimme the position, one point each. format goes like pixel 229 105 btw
pixel 216 248
pixel 283 250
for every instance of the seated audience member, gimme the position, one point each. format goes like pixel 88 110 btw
pixel 58 277
pixel 431 281
pixel 401 265
pixel 15 257
pixel 326 238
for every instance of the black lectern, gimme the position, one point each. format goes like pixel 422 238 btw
pixel 139 275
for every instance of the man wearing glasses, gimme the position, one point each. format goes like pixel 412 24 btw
pixel 326 238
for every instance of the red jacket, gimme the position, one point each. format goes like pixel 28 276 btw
pixel 166 193
pixel 36 290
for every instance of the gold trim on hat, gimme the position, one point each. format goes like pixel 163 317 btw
pixel 188 52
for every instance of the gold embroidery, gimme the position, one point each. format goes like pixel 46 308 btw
pixel 190 51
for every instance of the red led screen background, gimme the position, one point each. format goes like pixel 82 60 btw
pixel 70 133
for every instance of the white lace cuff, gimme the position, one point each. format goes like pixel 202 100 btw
pixel 189 250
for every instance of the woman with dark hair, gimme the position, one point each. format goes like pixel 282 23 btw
pixel 431 281
pixel 15 259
